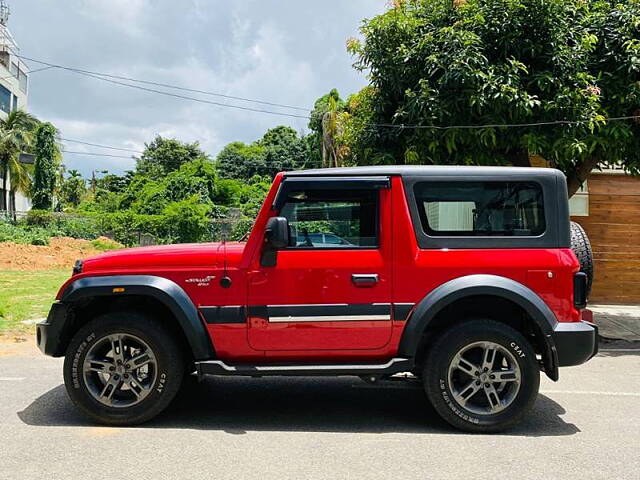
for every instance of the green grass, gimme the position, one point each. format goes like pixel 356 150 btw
pixel 27 296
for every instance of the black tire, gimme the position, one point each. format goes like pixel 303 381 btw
pixel 168 368
pixel 582 248
pixel 436 375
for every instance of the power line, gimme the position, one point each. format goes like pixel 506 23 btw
pixel 95 154
pixel 98 154
pixel 39 70
pixel 82 142
pixel 32 71
pixel 501 125
pixel 101 76
pixel 193 99
pixel 166 85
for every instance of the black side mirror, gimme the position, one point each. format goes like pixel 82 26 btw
pixel 277 232
pixel 276 235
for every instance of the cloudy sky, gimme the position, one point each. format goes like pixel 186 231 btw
pixel 281 51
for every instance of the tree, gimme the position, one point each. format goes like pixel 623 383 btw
pixel 279 149
pixel 16 135
pixel 73 189
pixel 247 195
pixel 327 123
pixel 238 160
pixel 284 150
pixel 164 155
pixel 47 155
pixel 113 183
pixel 440 63
pixel 356 130
pixel 188 220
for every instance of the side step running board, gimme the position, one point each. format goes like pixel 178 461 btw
pixel 218 367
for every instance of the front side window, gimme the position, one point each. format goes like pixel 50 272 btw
pixel 481 208
pixel 336 219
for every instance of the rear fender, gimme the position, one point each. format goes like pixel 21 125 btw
pixel 474 285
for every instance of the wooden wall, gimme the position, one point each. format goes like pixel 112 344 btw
pixel 613 227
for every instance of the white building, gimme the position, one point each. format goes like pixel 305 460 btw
pixel 14 85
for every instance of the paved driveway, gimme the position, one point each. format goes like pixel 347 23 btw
pixel 585 426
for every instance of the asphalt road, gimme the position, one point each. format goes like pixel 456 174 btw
pixel 585 426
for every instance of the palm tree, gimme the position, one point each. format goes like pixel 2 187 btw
pixel 16 135
pixel 331 130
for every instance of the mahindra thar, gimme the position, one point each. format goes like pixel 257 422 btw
pixel 461 278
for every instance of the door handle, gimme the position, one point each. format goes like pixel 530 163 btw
pixel 364 279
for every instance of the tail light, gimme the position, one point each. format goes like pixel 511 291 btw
pixel 580 290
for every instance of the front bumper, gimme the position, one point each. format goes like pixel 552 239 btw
pixel 575 342
pixel 51 334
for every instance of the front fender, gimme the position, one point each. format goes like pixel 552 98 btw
pixel 473 285
pixel 162 289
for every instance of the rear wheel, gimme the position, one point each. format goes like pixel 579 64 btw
pixel 481 376
pixel 122 368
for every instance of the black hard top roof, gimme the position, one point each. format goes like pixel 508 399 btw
pixel 428 170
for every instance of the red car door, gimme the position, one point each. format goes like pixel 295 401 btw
pixel 331 288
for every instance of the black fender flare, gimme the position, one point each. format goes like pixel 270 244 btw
pixel 167 292
pixel 481 284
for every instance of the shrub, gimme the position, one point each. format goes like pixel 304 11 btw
pixel 188 220
pixel 40 240
pixel 104 244
pixel 240 229
pixel 40 218
pixel 75 227
pixel 127 226
pixel 23 234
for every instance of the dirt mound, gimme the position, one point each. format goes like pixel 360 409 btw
pixel 61 252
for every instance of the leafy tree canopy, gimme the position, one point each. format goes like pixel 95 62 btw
pixel 114 183
pixel 47 155
pixel 164 155
pixel 483 62
pixel 322 106
pixel 238 160
pixel 73 188
pixel 279 149
pixel 325 145
pixel 16 135
pixel 150 196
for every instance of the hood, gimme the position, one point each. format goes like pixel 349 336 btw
pixel 185 255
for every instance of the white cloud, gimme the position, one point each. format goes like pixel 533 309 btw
pixel 282 52
pixel 124 14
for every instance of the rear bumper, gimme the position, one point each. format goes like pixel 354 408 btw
pixel 50 334
pixel 575 342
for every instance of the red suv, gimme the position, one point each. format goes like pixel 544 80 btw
pixel 462 276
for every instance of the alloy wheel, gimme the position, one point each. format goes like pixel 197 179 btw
pixel 119 370
pixel 484 378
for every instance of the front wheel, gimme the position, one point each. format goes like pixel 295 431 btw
pixel 123 368
pixel 481 376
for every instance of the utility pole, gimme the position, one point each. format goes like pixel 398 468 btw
pixel 93 178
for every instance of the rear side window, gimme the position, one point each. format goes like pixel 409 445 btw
pixel 335 219
pixel 510 209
